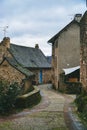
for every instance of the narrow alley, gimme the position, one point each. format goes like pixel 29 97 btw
pixel 49 114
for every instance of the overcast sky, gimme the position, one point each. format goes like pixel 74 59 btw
pixel 33 22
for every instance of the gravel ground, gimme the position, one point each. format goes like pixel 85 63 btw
pixel 47 115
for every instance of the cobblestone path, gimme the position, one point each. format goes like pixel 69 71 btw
pixel 47 115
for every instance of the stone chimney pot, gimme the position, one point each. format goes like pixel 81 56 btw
pixel 36 46
pixel 78 17
pixel 6 42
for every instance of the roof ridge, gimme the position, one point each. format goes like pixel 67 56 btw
pixel 23 46
pixel 25 56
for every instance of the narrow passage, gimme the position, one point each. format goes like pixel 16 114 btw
pixel 47 115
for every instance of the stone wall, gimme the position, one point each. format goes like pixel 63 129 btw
pixel 69 48
pixel 83 52
pixel 65 51
pixel 6 42
pixel 4 46
pixel 10 74
pixel 7 72
pixel 55 77
pixel 46 75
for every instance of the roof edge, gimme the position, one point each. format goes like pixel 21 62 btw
pixel 58 34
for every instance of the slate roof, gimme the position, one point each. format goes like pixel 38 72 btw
pixel 65 28
pixel 49 59
pixel 29 57
pixel 18 67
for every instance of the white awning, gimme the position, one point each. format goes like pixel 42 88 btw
pixel 70 70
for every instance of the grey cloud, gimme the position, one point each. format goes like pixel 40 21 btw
pixel 38 18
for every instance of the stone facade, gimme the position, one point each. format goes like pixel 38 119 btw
pixel 8 72
pixel 46 75
pixel 83 53
pixel 12 72
pixel 55 72
pixel 65 50
pixel 4 46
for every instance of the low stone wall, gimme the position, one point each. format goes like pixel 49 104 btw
pixel 29 99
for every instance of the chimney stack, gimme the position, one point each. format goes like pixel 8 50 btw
pixel 6 42
pixel 36 46
pixel 77 17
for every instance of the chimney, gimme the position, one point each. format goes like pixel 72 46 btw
pixel 6 42
pixel 36 46
pixel 77 17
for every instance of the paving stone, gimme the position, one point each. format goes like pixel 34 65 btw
pixel 48 115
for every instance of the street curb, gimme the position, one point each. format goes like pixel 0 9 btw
pixel 74 121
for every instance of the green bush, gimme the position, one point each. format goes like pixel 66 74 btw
pixel 73 87
pixel 81 102
pixel 8 94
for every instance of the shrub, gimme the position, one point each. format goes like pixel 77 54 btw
pixel 81 102
pixel 73 87
pixel 8 94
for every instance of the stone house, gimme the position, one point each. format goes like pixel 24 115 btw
pixel 32 60
pixel 83 51
pixel 65 50
pixel 11 70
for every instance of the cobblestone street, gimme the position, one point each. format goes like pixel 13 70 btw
pixel 47 115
